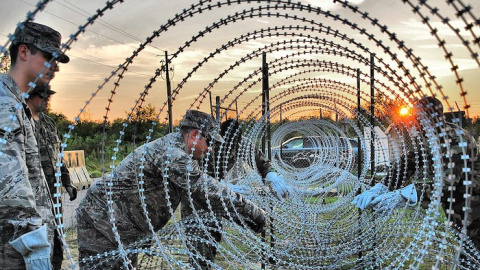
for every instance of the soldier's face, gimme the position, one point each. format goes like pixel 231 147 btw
pixel 199 144
pixel 45 102
pixel 36 65
pixel 36 103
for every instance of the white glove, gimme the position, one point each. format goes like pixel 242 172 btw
pixel 276 182
pixel 395 199
pixel 363 199
pixel 242 189
pixel 35 249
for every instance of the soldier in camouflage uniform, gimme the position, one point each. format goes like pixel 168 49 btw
pixel 169 170
pixel 229 171
pixel 26 220
pixel 49 145
pixel 414 172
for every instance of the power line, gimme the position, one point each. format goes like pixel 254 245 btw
pixel 98 63
pixel 104 24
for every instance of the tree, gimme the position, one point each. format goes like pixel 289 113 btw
pixel 61 121
pixel 141 123
pixel 145 114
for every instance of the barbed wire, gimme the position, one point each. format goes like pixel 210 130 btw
pixel 318 227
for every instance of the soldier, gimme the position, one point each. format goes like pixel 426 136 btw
pixel 48 144
pixel 229 171
pixel 169 171
pixel 381 199
pixel 26 220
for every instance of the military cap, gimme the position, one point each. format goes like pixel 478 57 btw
pixel 41 36
pixel 430 103
pixel 202 121
pixel 42 90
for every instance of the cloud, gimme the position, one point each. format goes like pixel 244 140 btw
pixel 329 5
pixel 419 31
pixel 106 54
pixel 263 21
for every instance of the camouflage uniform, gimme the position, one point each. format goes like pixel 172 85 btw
pixel 48 144
pixel 24 203
pixel 229 169
pixel 415 173
pixel 473 223
pixel 49 147
pixel 204 248
pixel 164 155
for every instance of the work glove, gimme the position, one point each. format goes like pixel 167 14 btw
pixel 362 200
pixel 395 199
pixel 72 192
pixel 276 182
pixel 241 189
pixel 35 249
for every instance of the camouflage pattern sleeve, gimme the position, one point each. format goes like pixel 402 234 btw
pixel 224 201
pixel 454 174
pixel 16 194
pixel 459 136
pixel 263 164
pixel 48 145
pixel 457 174
pixel 52 143
pixel 221 198
pixel 185 173
pixel 36 175
pixel 18 212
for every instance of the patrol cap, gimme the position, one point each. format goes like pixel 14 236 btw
pixel 202 121
pixel 41 36
pixel 430 102
pixel 42 90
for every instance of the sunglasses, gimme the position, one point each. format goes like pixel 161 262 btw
pixel 41 95
pixel 47 56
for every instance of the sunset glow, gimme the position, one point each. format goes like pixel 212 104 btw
pixel 404 111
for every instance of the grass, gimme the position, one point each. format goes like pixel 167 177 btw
pixel 71 239
pixel 236 244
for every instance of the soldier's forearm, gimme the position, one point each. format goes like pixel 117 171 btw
pixel 66 180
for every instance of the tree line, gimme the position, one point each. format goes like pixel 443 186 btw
pixel 92 136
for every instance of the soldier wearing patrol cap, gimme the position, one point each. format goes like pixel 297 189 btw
pixel 417 176
pixel 42 37
pixel 49 146
pixel 229 169
pixel 26 220
pixel 168 169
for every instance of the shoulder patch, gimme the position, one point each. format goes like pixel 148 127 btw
pixel 9 136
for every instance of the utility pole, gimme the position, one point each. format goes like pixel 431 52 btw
pixel 266 143
pixel 359 108
pixel 372 115
pixel 166 68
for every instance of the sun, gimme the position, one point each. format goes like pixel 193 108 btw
pixel 404 111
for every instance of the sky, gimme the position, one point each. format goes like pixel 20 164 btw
pixel 111 39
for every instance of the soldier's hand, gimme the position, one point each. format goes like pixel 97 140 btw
pixel 72 192
pixel 258 224
pixel 364 199
pixel 278 185
pixel 242 189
